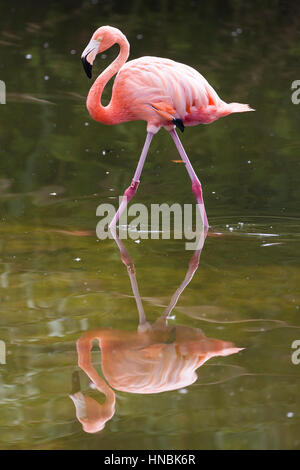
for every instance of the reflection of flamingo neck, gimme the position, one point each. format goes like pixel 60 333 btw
pixel 90 413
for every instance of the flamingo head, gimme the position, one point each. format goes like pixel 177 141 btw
pixel 89 412
pixel 102 39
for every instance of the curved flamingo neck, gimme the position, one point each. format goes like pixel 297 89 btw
pixel 98 112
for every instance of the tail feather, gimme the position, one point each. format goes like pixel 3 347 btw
pixel 239 107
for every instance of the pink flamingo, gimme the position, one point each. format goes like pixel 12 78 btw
pixel 160 91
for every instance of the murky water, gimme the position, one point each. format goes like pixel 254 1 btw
pixel 58 281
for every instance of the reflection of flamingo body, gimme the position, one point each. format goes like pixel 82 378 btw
pixel 160 359
pixel 154 359
pixel 160 91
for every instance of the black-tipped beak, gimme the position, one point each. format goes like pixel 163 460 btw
pixel 75 382
pixel 87 66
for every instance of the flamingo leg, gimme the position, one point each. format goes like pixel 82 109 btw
pixel 196 185
pixel 131 190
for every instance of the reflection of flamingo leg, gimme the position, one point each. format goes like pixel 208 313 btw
pixel 193 266
pixel 127 260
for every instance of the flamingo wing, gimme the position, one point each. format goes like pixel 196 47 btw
pixel 152 85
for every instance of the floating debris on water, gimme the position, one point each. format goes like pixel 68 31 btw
pixel 271 244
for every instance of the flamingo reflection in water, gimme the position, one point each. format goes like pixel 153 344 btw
pixel 156 358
